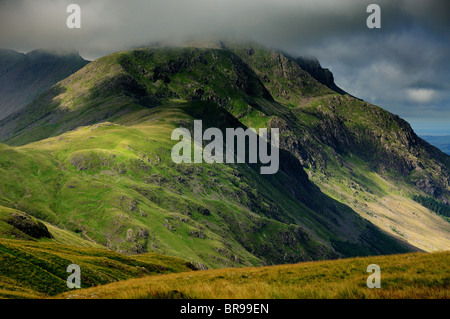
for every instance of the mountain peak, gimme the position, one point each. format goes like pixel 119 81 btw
pixel 24 76
pixel 53 52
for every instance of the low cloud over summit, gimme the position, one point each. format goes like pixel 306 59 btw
pixel 402 67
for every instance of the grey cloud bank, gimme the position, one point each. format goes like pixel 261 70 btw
pixel 402 67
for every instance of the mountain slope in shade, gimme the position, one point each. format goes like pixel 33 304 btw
pixel 24 76
pixel 221 215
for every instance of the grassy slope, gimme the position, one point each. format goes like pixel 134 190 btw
pixel 114 183
pixel 15 224
pixel 416 275
pixel 38 269
pixel 213 218
pixel 127 167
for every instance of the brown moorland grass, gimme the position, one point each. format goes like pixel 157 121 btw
pixel 416 275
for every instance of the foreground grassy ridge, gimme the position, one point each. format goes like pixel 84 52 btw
pixel 36 269
pixel 417 275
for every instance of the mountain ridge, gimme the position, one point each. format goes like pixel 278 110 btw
pixel 353 151
pixel 24 76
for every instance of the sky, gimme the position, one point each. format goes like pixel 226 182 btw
pixel 403 66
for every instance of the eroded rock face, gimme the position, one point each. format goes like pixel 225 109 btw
pixel 324 76
pixel 385 141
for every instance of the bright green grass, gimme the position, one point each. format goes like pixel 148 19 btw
pixel 102 182
pixel 116 185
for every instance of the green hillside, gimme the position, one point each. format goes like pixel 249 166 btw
pixel 92 157
pixel 115 184
pixel 38 269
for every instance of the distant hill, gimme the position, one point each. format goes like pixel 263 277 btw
pixel 24 76
pixel 441 142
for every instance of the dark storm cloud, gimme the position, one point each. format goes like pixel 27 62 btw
pixel 402 67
